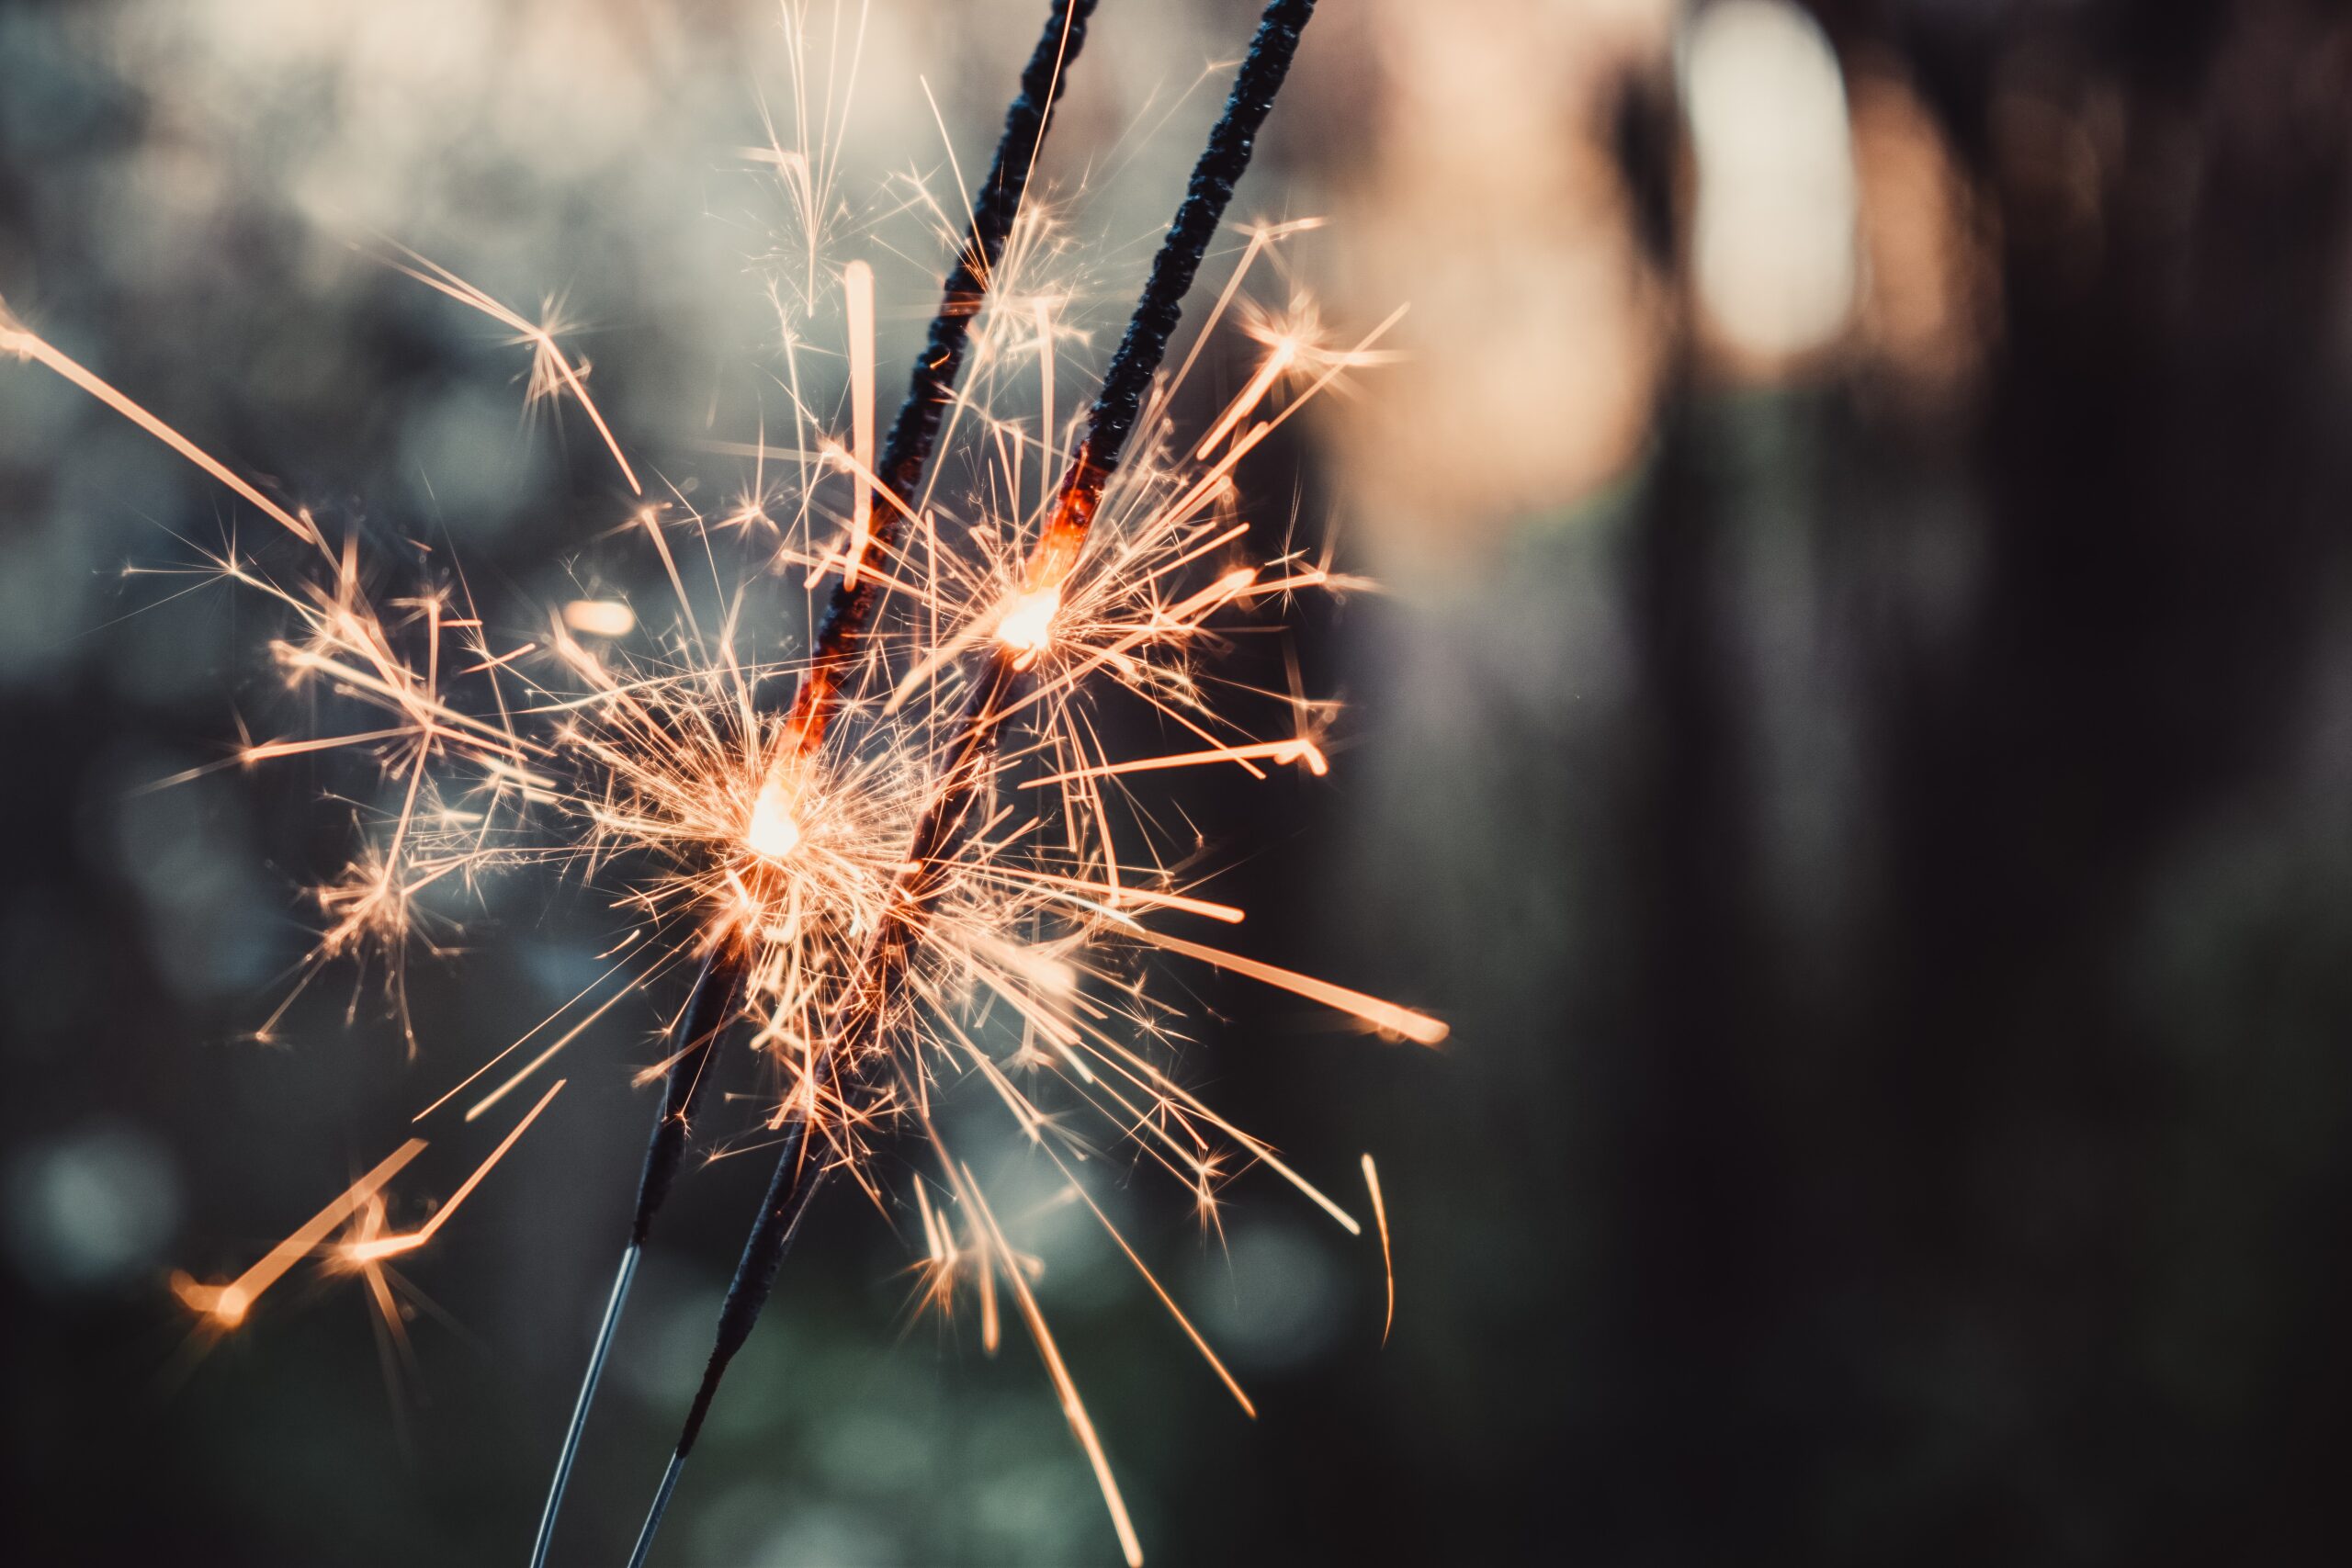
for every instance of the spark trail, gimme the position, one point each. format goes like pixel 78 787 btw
pixel 772 831
pixel 940 864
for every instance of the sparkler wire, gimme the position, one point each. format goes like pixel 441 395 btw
pixel 793 1185
pixel 1110 422
pixel 699 1021
pixel 849 612
pixel 704 1014
pixel 1119 401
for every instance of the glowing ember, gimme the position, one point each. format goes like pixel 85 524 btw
pixel 773 834
pixel 1027 624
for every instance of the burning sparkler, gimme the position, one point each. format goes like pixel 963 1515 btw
pixel 930 865
pixel 774 832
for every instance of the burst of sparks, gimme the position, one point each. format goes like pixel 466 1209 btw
pixel 632 747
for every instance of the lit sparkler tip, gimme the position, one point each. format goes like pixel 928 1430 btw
pixel 773 834
pixel 774 829
pixel 1027 623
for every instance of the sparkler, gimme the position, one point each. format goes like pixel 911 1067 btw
pixel 772 832
pixel 932 850
pixel 1023 631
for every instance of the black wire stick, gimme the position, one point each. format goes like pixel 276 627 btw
pixel 1110 422
pixel 848 613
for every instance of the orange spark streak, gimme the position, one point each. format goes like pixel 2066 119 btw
pixel 1117 894
pixel 1143 1074
pixel 428 711
pixel 1284 355
pixel 1073 1408
pixel 857 286
pixel 227 1304
pixel 268 750
pixel 1417 1027
pixel 1167 1301
pixel 544 1057
pixel 1214 479
pixel 650 517
pixel 1183 614
pixel 518 1045
pixel 538 337
pixel 1387 1260
pixel 1275 750
pixel 17 338
pixel 1048 438
pixel 387 1246
pixel 1260 236
pixel 992 1330
pixel 1258 431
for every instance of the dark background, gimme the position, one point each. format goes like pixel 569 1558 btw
pixel 1872 796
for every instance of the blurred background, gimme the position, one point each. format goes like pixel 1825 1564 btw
pixel 1859 744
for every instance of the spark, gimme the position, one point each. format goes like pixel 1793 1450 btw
pixel 1073 1408
pixel 600 617
pixel 17 339
pixel 857 288
pixel 359 1253
pixel 946 861
pixel 553 370
pixel 1387 1016
pixel 773 834
pixel 1387 1260
pixel 1026 624
pixel 1298 750
pixel 226 1305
